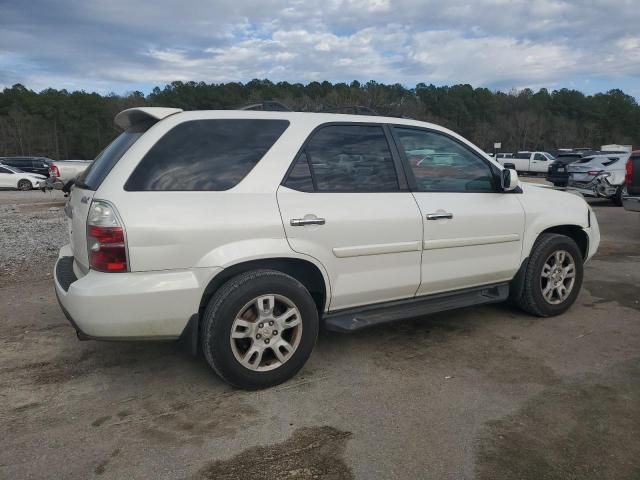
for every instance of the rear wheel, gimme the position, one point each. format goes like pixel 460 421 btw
pixel 259 329
pixel 617 198
pixel 25 185
pixel 553 277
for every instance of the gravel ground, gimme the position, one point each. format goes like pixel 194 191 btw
pixel 33 229
pixel 483 393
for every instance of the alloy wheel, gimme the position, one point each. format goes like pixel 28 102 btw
pixel 266 332
pixel 558 277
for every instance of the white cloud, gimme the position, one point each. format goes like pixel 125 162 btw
pixel 116 44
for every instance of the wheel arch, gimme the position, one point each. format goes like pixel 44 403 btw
pixel 305 271
pixel 575 232
pixel 23 179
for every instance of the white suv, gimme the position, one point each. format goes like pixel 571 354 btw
pixel 240 232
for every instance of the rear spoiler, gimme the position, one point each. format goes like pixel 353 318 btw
pixel 131 116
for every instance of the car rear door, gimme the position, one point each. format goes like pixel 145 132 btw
pixel 521 162
pixel 345 203
pixel 472 230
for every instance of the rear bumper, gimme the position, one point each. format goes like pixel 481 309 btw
pixel 599 186
pixel 129 306
pixel 631 203
pixel 557 178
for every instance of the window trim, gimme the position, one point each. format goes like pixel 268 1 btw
pixel 413 186
pixel 403 185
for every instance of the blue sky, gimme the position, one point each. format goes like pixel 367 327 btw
pixel 119 46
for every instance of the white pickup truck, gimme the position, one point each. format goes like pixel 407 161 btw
pixel 528 162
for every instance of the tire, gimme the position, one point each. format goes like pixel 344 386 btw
pixel 617 198
pixel 532 299
pixel 241 296
pixel 25 185
pixel 559 184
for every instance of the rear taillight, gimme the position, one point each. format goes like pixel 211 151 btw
pixel 106 240
pixel 593 173
pixel 53 171
pixel 628 173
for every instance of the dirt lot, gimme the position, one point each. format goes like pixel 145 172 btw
pixel 486 393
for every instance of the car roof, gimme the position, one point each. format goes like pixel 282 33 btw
pixel 131 116
pixel 308 120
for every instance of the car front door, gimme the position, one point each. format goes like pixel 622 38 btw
pixel 345 202
pixel 472 230
pixel 7 178
pixel 539 163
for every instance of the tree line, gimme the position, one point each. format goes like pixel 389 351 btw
pixel 77 125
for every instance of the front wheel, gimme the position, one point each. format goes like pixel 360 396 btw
pixel 25 185
pixel 553 277
pixel 259 329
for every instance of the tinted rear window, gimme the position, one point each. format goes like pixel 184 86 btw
pixel 205 155
pixel 95 173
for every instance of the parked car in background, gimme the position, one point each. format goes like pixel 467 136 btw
pixel 240 232
pixel 61 172
pixel 504 155
pixel 558 173
pixel 39 165
pixel 631 191
pixel 528 162
pixel 12 177
pixel 599 175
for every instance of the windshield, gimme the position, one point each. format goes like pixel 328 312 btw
pixel 14 169
pixel 95 173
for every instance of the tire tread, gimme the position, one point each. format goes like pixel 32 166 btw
pixel 210 318
pixel 526 301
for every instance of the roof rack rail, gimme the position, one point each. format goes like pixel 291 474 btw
pixel 266 106
pixel 351 109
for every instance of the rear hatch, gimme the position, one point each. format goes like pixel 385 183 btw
pixel 579 171
pixel 88 182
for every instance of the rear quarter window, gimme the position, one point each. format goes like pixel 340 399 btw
pixel 98 170
pixel 205 155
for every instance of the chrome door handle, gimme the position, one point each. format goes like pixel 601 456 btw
pixel 438 216
pixel 300 222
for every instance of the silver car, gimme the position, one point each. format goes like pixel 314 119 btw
pixel 599 176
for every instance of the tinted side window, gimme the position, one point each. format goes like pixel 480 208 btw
pixel 18 162
pixel 300 175
pixel 351 158
pixel 4 170
pixel 539 156
pixel 440 164
pixel 205 155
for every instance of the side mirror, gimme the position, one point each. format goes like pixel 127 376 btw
pixel 509 180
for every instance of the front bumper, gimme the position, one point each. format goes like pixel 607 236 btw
pixel 129 306
pixel 631 203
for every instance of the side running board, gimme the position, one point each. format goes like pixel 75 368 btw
pixel 353 319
